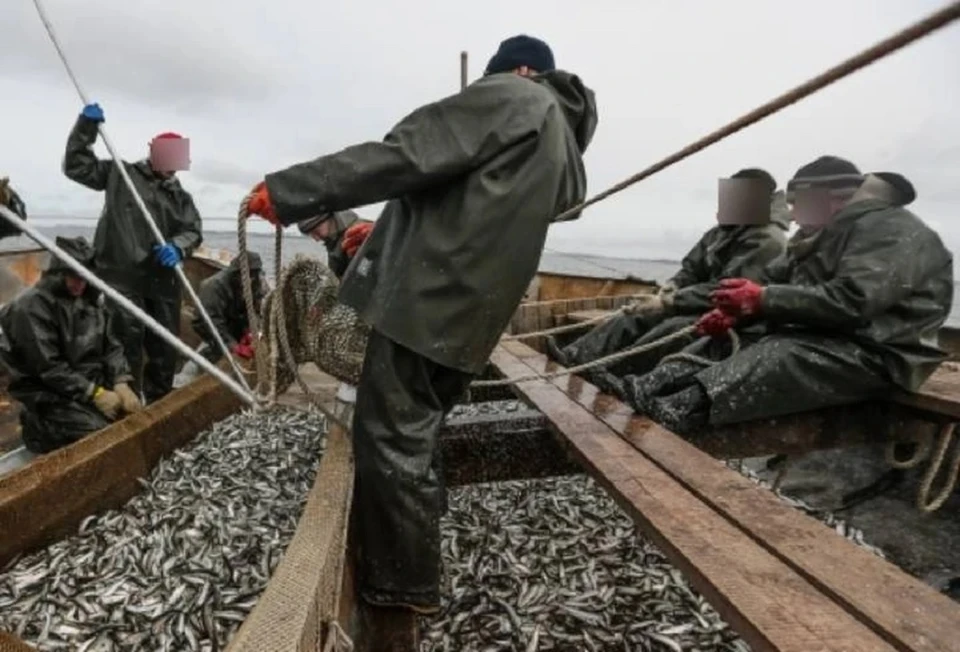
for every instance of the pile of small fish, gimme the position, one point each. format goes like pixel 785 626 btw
pixel 180 566
pixel 556 565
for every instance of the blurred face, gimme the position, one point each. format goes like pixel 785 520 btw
pixel 76 286
pixel 324 230
pixel 814 208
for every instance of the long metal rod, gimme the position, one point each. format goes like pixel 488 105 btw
pixel 902 38
pixel 143 207
pixel 463 70
pixel 128 305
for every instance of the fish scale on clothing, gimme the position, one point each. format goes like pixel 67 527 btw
pixel 180 566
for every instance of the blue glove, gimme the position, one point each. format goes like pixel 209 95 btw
pixel 167 254
pixel 93 112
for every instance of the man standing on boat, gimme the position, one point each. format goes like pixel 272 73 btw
pixel 127 255
pixel 341 232
pixel 67 369
pixel 10 200
pixel 472 183
pixel 751 232
pixel 850 317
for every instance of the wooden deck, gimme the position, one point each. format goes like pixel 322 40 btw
pixel 782 579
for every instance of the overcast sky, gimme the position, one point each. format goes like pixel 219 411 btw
pixel 259 85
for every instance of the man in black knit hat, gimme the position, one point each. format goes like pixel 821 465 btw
pixel 849 318
pixel 472 183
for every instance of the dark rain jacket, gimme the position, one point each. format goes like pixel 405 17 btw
pixel 724 252
pixel 877 276
pixel 124 242
pixel 473 182
pixel 222 297
pixel 59 346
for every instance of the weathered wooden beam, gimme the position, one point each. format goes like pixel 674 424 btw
pixel 767 602
pixel 907 613
pixel 51 495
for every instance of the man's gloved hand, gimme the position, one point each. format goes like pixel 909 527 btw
pixel 107 402
pixel 355 236
pixel 247 338
pixel 242 350
pixel 649 304
pixel 93 112
pixel 167 254
pixel 715 323
pixel 260 204
pixel 738 296
pixel 666 289
pixel 129 401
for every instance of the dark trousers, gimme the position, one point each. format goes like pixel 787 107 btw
pixel 626 331
pixel 400 494
pixel 49 421
pixel 152 361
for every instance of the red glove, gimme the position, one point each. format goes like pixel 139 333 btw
pixel 738 296
pixel 355 236
pixel 715 323
pixel 242 350
pixel 261 205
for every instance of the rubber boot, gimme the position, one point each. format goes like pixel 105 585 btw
pixel 387 629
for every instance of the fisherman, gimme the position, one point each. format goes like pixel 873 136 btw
pixel 10 200
pixel 750 233
pixel 472 183
pixel 221 296
pixel 850 318
pixel 67 369
pixel 127 255
pixel 335 229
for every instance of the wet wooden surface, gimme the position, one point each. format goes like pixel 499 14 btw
pixel 904 610
pixel 771 604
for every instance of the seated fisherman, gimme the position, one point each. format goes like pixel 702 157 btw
pixel 11 200
pixel 342 233
pixel 745 239
pixel 66 367
pixel 221 296
pixel 849 318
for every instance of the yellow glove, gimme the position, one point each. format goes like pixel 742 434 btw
pixel 129 401
pixel 107 402
pixel 5 195
pixel 649 304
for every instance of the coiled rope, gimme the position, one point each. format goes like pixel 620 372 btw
pixel 944 438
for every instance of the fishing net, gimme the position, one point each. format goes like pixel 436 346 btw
pixel 314 326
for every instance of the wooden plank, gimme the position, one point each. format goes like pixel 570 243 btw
pixel 51 495
pixel 904 611
pixel 939 395
pixel 769 604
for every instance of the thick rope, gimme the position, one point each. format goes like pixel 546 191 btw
pixel 943 446
pixel 886 47
pixel 920 453
pixel 600 362
pixel 606 316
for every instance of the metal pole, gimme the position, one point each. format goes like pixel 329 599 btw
pixel 147 320
pixel 140 203
pixel 463 70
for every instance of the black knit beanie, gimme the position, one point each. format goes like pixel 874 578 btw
pixel 519 51
pixel 758 174
pixel 828 173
